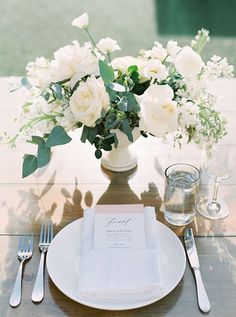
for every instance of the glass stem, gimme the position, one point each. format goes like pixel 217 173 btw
pixel 217 182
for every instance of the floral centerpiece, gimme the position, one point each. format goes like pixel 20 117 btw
pixel 161 92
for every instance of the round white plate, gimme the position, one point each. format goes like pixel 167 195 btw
pixel 63 259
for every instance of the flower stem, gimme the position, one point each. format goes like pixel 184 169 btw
pixel 90 37
pixel 109 57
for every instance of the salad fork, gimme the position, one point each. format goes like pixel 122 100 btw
pixel 46 236
pixel 25 251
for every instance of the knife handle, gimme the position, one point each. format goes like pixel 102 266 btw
pixel 203 301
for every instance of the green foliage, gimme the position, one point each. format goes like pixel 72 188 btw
pixel 36 140
pixel 98 153
pixel 58 136
pixel 57 91
pixel 106 72
pixel 25 82
pixel 125 128
pixel 30 164
pixel 44 155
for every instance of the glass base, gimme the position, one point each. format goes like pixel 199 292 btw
pixel 211 210
pixel 178 220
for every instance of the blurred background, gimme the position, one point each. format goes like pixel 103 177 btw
pixel 33 28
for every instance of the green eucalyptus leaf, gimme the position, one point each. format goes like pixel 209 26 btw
pixel 84 134
pixel 57 89
pixel 132 103
pixel 58 136
pixel 91 134
pixel 44 155
pixel 107 146
pixel 117 87
pixel 123 104
pixel 25 82
pixel 135 77
pixel 106 72
pixel 112 94
pixel 30 164
pixel 132 68
pixel 36 140
pixel 115 140
pixel 98 153
pixel 125 128
pixel 47 96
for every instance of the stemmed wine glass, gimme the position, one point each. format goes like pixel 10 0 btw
pixel 219 165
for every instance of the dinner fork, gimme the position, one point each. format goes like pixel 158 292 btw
pixel 46 236
pixel 25 251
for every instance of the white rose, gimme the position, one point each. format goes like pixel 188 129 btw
pixel 158 111
pixel 188 63
pixel 88 100
pixel 153 68
pixel 81 22
pixel 108 45
pixel 73 60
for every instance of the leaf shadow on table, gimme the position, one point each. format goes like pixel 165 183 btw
pixel 118 190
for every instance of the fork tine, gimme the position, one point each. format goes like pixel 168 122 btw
pixel 41 233
pixel 44 233
pixel 50 228
pixel 31 243
pixel 25 243
pixel 51 232
pixel 20 243
pixel 47 234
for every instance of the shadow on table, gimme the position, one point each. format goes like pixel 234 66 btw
pixel 118 190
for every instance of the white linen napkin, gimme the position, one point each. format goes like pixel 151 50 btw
pixel 119 274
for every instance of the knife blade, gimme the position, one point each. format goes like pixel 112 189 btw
pixel 191 250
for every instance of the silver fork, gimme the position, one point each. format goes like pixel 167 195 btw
pixel 25 251
pixel 46 236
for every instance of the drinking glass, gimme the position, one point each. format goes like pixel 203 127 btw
pixel 182 182
pixel 219 165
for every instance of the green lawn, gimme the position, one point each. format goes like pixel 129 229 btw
pixel 31 28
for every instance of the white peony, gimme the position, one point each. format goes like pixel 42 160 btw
pixel 108 45
pixel 188 63
pixel 82 21
pixel 73 60
pixel 88 100
pixel 153 68
pixel 158 111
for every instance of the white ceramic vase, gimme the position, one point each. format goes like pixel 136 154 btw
pixel 123 158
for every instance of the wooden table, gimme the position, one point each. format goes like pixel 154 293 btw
pixel 74 180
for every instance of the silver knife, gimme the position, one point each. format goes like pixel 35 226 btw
pixel 203 301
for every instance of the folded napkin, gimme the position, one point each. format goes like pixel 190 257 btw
pixel 119 274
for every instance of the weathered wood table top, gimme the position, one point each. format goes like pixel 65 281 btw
pixel 75 180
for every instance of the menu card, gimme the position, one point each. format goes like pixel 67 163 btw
pixel 119 226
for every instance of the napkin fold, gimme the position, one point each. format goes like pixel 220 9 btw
pixel 119 274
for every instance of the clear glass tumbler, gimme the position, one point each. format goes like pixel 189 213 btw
pixel 182 183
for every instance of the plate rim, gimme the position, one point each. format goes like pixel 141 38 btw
pixel 131 306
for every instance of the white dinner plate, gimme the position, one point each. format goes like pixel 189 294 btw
pixel 63 259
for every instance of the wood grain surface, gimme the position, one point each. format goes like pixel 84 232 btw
pixel 75 180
